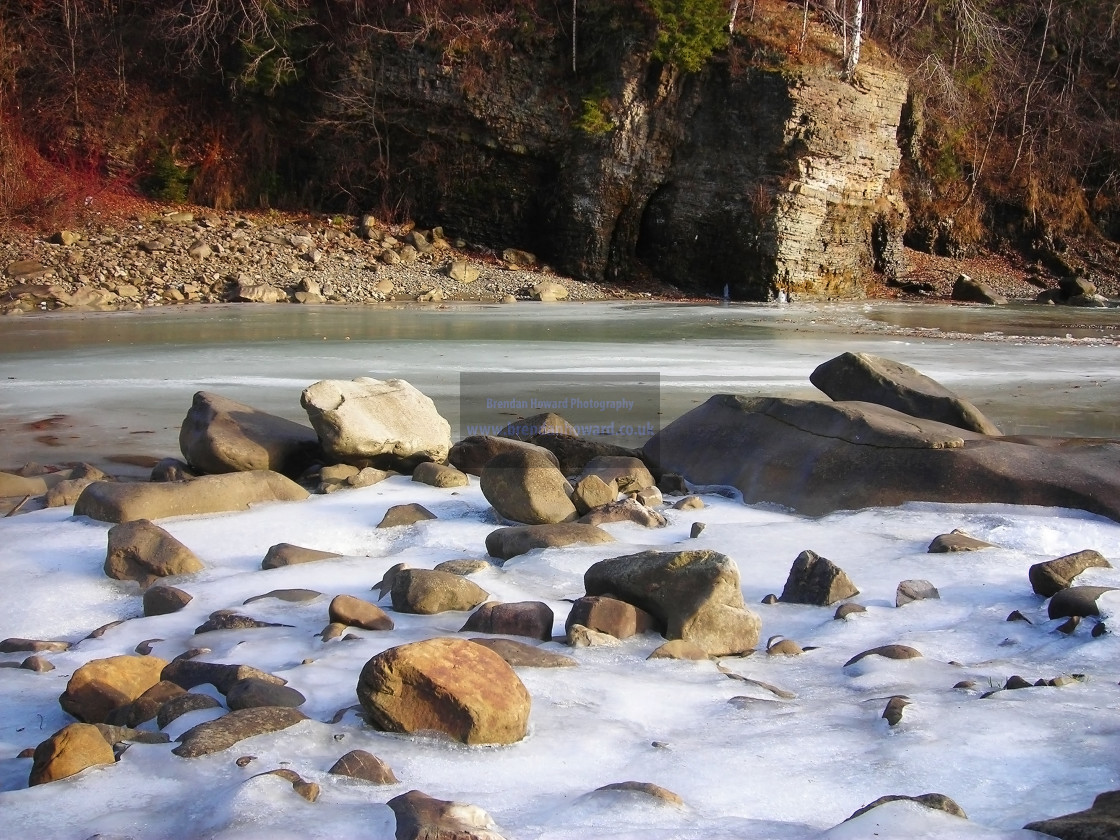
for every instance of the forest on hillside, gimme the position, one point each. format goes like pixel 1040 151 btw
pixel 1013 126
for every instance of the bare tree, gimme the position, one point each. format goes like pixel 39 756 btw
pixel 851 57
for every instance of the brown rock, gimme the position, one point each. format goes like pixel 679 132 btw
pixel 548 423
pixel 163 600
pixel 936 801
pixel 216 735
pixel 521 655
pixel 359 764
pixel 354 612
pixel 680 649
pixel 176 707
pixel 610 615
pixel 505 543
pixel 426 592
pixel 592 492
pixel 408 514
pixel 816 580
pixel 526 487
pixel 525 618
pixel 439 475
pixel 189 673
pixel 70 750
pixel 102 685
pixel 421 817
pixel 956 540
pixel 624 510
pixel 473 453
pixel 645 790
pixel 142 551
pixel 1049 578
pixel 18 645
pixel 887 651
pixel 1099 822
pixel 453 686
pixel 286 554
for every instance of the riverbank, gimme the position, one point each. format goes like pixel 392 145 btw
pixel 158 255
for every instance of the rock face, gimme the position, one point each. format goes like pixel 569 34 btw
pixel 453 686
pixel 868 378
pixel 102 685
pixel 144 552
pixel 695 595
pixel 220 435
pixel 70 750
pixel 386 424
pixel 818 457
pixel 122 502
pixel 524 486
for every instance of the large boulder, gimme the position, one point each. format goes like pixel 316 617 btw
pixel 423 817
pixel 220 435
pixel 142 551
pixel 1101 821
pixel 873 379
pixel 427 592
pixel 573 452
pixel 816 580
pixel 111 501
pixel 525 486
pixel 103 685
pixel 386 424
pixel 523 618
pixel 70 750
pixel 970 290
pixel 473 453
pixel 694 595
pixel 1053 576
pixel 818 457
pixel 505 543
pixel 453 686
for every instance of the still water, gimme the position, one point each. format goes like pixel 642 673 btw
pixel 100 385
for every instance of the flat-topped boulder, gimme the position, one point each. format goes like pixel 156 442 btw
pixel 874 379
pixel 220 435
pixel 111 501
pixel 386 424
pixel 818 457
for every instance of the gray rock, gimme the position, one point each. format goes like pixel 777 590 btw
pixel 230 620
pixel 369 422
pixel 217 735
pixel 286 554
pixel 176 707
pixel 253 692
pixel 969 290
pixel 874 379
pixel 1051 577
pixel 956 540
pixel 574 453
pixel 220 435
pixel 816 580
pixel 694 595
pixel 142 551
pixel 189 673
pixel 1078 601
pixel 290 595
pixel 408 514
pixel 526 487
pixel 915 590
pixel 463 567
pixel 505 543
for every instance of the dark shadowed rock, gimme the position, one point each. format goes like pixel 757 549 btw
pixel 142 551
pixel 694 595
pixel 111 501
pixel 574 453
pixel 956 540
pixel 216 735
pixel 421 817
pixel 453 686
pixel 359 764
pixel 1078 601
pixel 816 580
pixel 427 592
pixel 69 751
pixel 818 457
pixel 548 423
pixel 505 543
pixel 610 615
pixel 253 692
pixel 473 453
pixel 408 514
pixel 524 618
pixel 887 652
pixel 15 644
pixel 892 714
pixel 220 435
pixel 172 469
pixel 354 612
pixel 162 600
pixel 521 655
pixel 936 801
pixel 230 620
pixel 628 473
pixel 873 379
pixel 1101 821
pixel 286 554
pixel 145 707
pixel 176 707
pixel 189 673
pixel 524 486
pixel 294 596
pixel 1051 577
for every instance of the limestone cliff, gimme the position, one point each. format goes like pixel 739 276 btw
pixel 760 180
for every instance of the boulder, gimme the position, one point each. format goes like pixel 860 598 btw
pixel 610 615
pixel 874 379
pixel 439 475
pixel 259 293
pixel 694 595
pixel 70 750
pixel 354 612
pixel 408 514
pixel 220 435
pixel 970 290
pixel 142 551
pixel 427 592
pixel 548 423
pixel 573 453
pixel 163 600
pixel 216 735
pixel 102 685
pixel 1101 821
pixel 624 510
pixel 936 801
pixel 473 453
pixel 887 652
pixel 286 554
pixel 628 473
pixel 66 492
pixel 452 686
pixel 1079 601
pixel 956 540
pixel 818 457
pixel 816 580
pixel 679 649
pixel 370 422
pixel 1051 577
pixel 359 764
pixel 526 487
pixel 548 292
pixel 915 590
pixel 505 543
pixel 145 707
pixel 524 618
pixel 253 692
pixel 591 492
pixel 124 502
pixel 176 707
pixel 521 655
pixel 189 673
pixel 422 817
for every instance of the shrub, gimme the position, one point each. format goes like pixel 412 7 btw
pixel 689 31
